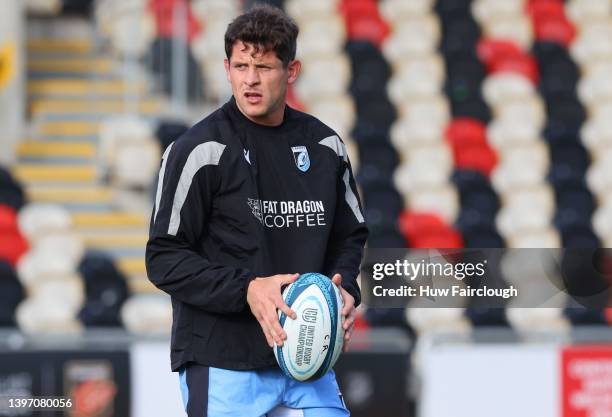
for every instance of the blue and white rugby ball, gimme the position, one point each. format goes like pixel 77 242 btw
pixel 315 337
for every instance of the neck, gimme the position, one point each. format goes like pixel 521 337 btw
pixel 273 119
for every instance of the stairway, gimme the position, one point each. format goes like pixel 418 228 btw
pixel 72 85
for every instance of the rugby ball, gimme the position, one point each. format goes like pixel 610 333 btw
pixel 315 337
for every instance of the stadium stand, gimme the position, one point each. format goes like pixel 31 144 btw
pixel 469 124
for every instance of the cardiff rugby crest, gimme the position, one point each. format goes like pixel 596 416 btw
pixel 300 155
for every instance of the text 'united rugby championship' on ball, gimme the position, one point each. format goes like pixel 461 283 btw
pixel 315 337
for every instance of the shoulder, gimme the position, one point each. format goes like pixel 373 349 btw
pixel 203 140
pixel 318 132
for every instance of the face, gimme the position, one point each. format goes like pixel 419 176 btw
pixel 259 83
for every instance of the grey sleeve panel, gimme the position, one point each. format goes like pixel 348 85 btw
pixel 335 144
pixel 208 153
pixel 160 181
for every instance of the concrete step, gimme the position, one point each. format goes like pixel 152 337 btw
pixel 70 194
pixel 92 107
pixel 137 222
pixel 60 45
pixel 68 128
pixel 78 88
pixel 72 65
pixel 58 173
pixel 56 149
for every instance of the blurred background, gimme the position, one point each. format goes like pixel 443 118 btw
pixel 470 124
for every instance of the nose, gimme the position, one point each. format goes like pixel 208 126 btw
pixel 252 77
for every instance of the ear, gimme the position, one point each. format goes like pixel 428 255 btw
pixel 226 64
pixel 293 68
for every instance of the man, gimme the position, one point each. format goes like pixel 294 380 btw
pixel 246 198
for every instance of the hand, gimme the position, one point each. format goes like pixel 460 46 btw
pixel 348 311
pixel 264 297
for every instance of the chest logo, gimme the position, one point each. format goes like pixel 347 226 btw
pixel 301 158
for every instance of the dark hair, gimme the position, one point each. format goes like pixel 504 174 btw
pixel 265 27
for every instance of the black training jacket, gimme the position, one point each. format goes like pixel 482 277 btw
pixel 235 201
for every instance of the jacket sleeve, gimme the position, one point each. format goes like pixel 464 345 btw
pixel 188 180
pixel 349 232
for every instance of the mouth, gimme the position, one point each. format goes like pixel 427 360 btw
pixel 253 97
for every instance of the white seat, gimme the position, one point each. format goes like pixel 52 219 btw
pixel 48 7
pixel 540 196
pixel 544 238
pixel 133 31
pixel 596 133
pixel 67 245
pixel 406 133
pixel 533 154
pixel 218 88
pixel 584 11
pixel 526 320
pixel 38 266
pixel 434 110
pixel 489 10
pixel 594 42
pixel 602 221
pixel 517 28
pixel 529 110
pixel 408 176
pixel 68 291
pixel 522 216
pixel 323 36
pixel 422 77
pixel 506 178
pixel 145 314
pixel 38 219
pixel 46 316
pixel 402 10
pixel 599 174
pixel 442 201
pixel 117 129
pixel 508 132
pixel 210 10
pixel 209 46
pixel 323 76
pixel 414 37
pixel 505 87
pixel 425 319
pixel 135 164
pixel 338 112
pixel 304 11
pixel 438 154
pixel 353 152
pixel 595 87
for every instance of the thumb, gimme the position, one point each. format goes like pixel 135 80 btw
pixel 337 280
pixel 288 278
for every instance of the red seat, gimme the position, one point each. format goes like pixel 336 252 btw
pixel 448 239
pixel 492 50
pixel 545 9
pixel 12 247
pixel 358 8
pixel 524 65
pixel 554 29
pixel 368 28
pixel 466 132
pixel 292 99
pixel 479 158
pixel 413 224
pixel 163 12
pixel 8 219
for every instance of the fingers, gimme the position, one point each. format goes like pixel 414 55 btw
pixel 285 309
pixel 349 321
pixel 288 278
pixel 337 279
